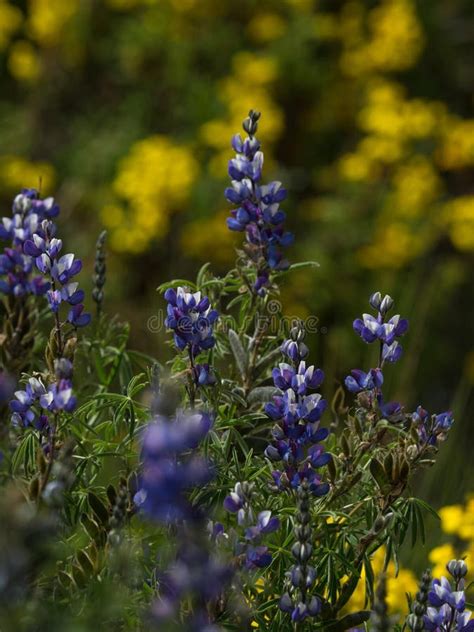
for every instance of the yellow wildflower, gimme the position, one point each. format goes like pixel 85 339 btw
pixel 17 172
pixel 265 27
pixel 47 19
pixel 10 21
pixel 452 518
pixel 153 181
pixel 23 61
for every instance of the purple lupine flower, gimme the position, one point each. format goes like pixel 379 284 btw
pixel 43 248
pixel 372 328
pixel 251 551
pixel 59 396
pixel 192 319
pixel 25 226
pixel 432 428
pixel 360 381
pixel 297 434
pixel 447 610
pixel 204 375
pixel 77 317
pixel 169 469
pixel 33 405
pixel 258 212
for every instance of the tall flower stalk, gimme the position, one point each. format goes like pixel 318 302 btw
pixel 258 212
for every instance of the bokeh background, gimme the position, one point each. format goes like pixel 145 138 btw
pixel 123 109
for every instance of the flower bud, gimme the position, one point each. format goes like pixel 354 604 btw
pixel 375 300
pixel 457 568
pixel 386 304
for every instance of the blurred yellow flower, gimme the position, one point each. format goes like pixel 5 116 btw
pixel 357 167
pixel 457 144
pixel 416 185
pixel 393 246
pixel 10 21
pixel 153 181
pixel 17 173
pixel 394 42
pixel 439 557
pixel 23 61
pixel 247 88
pixel 47 19
pixel 458 215
pixel 452 518
pixel 265 27
pixel 210 239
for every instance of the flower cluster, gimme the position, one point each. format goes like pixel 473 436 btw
pixel 34 245
pixel 258 210
pixel 45 250
pixel 447 606
pixel 297 433
pixel 239 502
pixel 298 601
pixel 371 328
pixel 169 469
pixel 34 405
pixel 369 384
pixel 28 213
pixel 191 318
pixel 432 428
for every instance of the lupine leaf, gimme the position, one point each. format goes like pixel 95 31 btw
pixel 239 352
pixel 261 394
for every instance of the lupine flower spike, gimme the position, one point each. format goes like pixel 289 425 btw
pixel 446 611
pixel 298 601
pixel 297 413
pixel 192 319
pixel 99 271
pixel 258 210
pixel 416 619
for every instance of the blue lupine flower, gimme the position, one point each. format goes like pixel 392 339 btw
pixel 25 225
pixel 432 428
pixel 297 434
pixel 447 610
pixel 239 501
pixel 32 406
pixel 258 212
pixel 285 377
pixel 76 316
pixel 191 318
pixel 372 328
pixel 360 381
pixel 265 524
pixel 169 471
pixel 34 244
pixel 59 396
pixel 204 375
